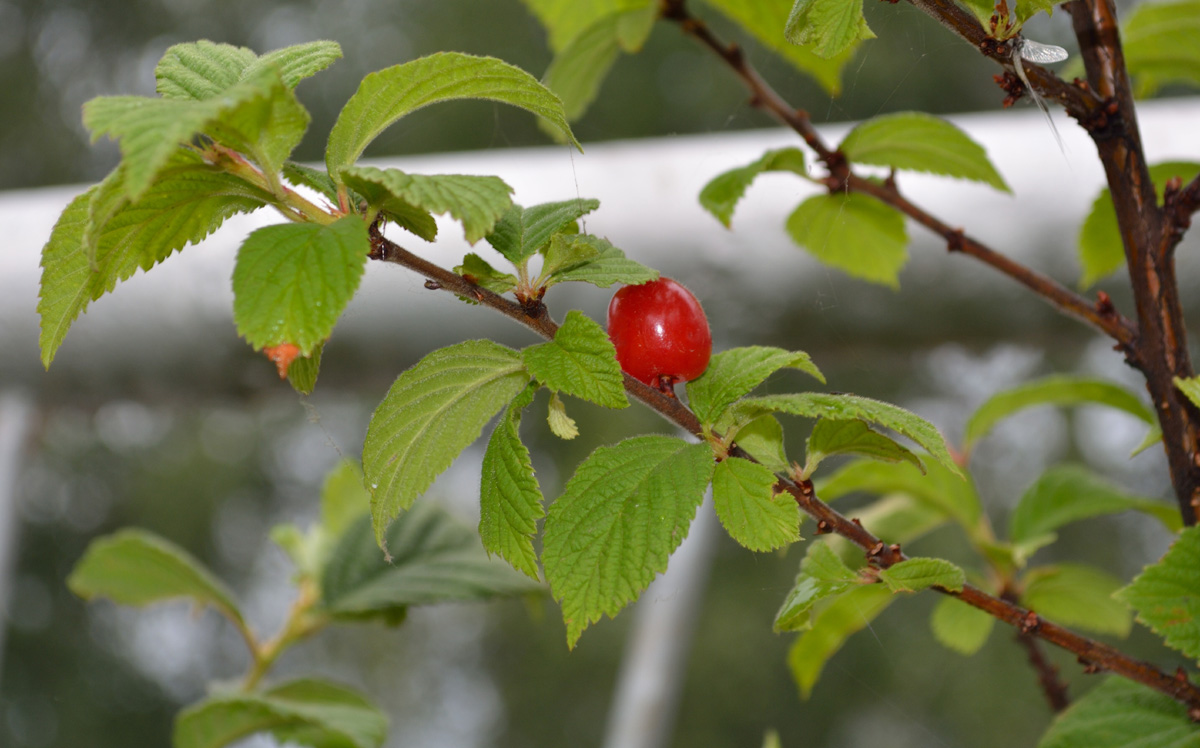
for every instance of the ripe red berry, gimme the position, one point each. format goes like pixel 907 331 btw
pixel 660 333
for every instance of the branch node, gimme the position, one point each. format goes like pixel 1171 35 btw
pixel 1030 623
pixel 956 240
pixel 1104 305
pixel 433 285
pixel 824 527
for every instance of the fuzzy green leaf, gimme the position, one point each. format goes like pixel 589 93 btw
pixel 1076 595
pixel 732 374
pixel 721 195
pixel 853 232
pixel 477 202
pixel 1166 595
pixel 746 503
pixel 136 567
pixel 561 425
pixel 1069 493
pixel 478 271
pixel 581 361
pixel 385 96
pixel 960 627
pixel 853 438
pixel 626 509
pixel 510 501
pixel 916 574
pixel 292 281
pixel 921 142
pixel 432 412
pixel 302 372
pixel 822 575
pixel 830 628
pixel 435 559
pixel 1162 44
pixel 315 179
pixel 830 27
pixel 1121 714
pixel 187 202
pixel 567 19
pixel 305 712
pixel 203 69
pixel 522 232
pixel 1100 249
pixel 762 438
pixel 591 259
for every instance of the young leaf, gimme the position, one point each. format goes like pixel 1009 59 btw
pixel 732 374
pixel 477 202
pixel 521 232
pixel 302 372
pixel 1059 390
pixel 626 509
pixel 188 202
pixel 746 503
pixel 591 259
pixel 1118 714
pixel 822 575
pixel 853 437
pixel 1069 493
pixel 830 27
pixel 853 232
pixel 431 413
pixel 762 438
pixel 721 195
pixel 434 560
pixel 389 94
pixel 830 629
pixel 292 281
pixel 1076 595
pixel 478 271
pixel 1160 43
pixel 1166 595
pixel 136 567
pixel 841 407
pixel 1190 388
pixel 916 574
pixel 1100 249
pixel 201 70
pixel 959 626
pixel 315 179
pixel 305 712
pixel 566 19
pixel 939 488
pixel 510 501
pixel 580 361
pixel 561 425
pixel 921 142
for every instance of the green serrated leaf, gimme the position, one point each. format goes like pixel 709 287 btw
pixel 959 626
pixel 316 179
pixel 434 559
pixel 510 501
pixel 830 629
pixel 477 270
pixel 853 232
pixel 522 232
pixel 302 372
pixel 1166 595
pixel 389 94
pixel 307 712
pixel 1162 44
pixel 939 488
pixel 762 439
pixel 581 361
pixel 591 259
pixel 561 425
pixel 829 27
pixel 1119 714
pixel 1100 249
pixel 842 407
pixel 764 18
pixel 748 507
pixel 1076 595
pixel 1069 493
pixel 201 70
pixel 721 195
pixel 626 509
pixel 921 142
pixel 853 438
pixel 292 281
pixel 822 575
pixel 136 567
pixel 431 413
pixel 732 374
pixel 477 202
pixel 188 201
pixel 916 574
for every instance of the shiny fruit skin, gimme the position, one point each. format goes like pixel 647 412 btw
pixel 660 333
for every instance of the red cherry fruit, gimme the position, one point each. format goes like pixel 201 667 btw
pixel 660 333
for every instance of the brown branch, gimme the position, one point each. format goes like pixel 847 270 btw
pixel 1053 687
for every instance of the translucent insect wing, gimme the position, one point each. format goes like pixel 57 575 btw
pixel 1041 53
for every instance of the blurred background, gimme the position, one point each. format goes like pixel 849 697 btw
pixel 155 415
